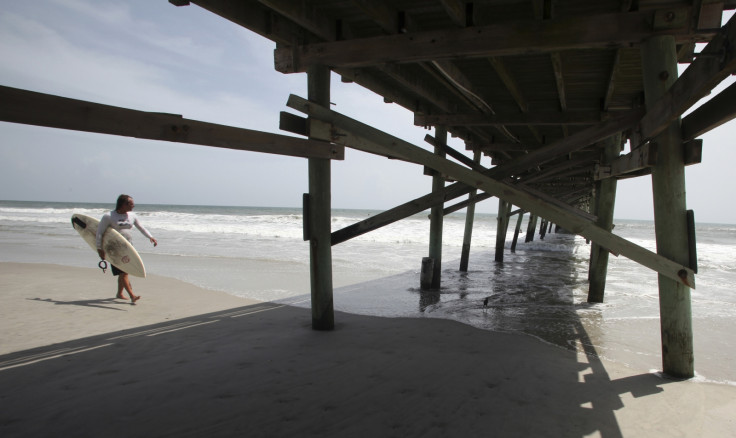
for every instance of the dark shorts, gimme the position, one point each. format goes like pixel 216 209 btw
pixel 116 271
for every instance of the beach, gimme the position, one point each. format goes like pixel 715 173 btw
pixel 186 361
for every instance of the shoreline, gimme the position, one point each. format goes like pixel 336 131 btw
pixel 107 368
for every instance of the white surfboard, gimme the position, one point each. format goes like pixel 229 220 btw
pixel 118 250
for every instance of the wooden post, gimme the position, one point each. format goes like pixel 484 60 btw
pixel 503 225
pixel 320 217
pixel 604 206
pixel 469 218
pixel 543 229
pixel 436 214
pixel 659 62
pixel 516 231
pixel 531 226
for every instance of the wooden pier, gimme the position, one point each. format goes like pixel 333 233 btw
pixel 564 96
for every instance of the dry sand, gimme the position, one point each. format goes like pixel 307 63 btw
pixel 192 362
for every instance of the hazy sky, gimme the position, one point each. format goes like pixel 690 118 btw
pixel 150 55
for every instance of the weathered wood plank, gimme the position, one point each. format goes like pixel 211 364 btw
pixel 32 108
pixel 320 217
pixel 714 63
pixel 640 158
pixel 540 118
pixel 363 137
pixel 605 201
pixel 454 154
pixel 645 157
pixel 659 67
pixel 436 219
pixel 469 218
pixel 567 33
pixel 569 144
pixel 712 114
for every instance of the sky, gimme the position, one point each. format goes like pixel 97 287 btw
pixel 150 55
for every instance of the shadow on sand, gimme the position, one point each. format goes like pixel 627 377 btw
pixel 261 371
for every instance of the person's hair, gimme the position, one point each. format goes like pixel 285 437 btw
pixel 122 200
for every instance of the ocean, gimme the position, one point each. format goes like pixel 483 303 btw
pixel 540 290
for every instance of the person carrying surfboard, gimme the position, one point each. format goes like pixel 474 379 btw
pixel 122 219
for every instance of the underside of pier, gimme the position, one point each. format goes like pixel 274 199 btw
pixel 565 97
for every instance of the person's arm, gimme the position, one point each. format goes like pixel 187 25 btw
pixel 143 230
pixel 104 223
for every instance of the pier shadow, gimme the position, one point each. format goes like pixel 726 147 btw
pixel 534 294
pixel 261 371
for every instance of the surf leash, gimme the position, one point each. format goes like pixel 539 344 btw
pixel 103 265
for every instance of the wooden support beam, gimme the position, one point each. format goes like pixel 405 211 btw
pixel 502 226
pixel 368 139
pixel 320 216
pixel 472 200
pixel 641 160
pixel 307 16
pixel 567 33
pixel 712 114
pixel 454 154
pixel 258 18
pixel 659 66
pixel 508 80
pixel 436 219
pixel 714 63
pixel 604 207
pixel 612 80
pixel 531 226
pixel 516 231
pixel 469 218
pixel 579 117
pixel 31 108
pixel 556 59
pixel 457 11
pixel 569 144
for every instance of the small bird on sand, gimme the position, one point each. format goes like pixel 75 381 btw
pixel 485 302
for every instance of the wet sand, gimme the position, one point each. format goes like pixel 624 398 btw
pixel 191 362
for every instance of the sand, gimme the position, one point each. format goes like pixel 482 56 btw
pixel 190 362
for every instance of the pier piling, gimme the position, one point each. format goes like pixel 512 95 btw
pixel 436 214
pixel 659 64
pixel 320 216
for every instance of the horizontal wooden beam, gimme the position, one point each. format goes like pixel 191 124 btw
pixel 31 108
pixel 545 36
pixel 360 136
pixel 645 157
pixel 640 158
pixel 520 119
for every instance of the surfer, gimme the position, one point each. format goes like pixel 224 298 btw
pixel 122 219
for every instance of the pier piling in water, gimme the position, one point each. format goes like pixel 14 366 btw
pixel 605 200
pixel 469 218
pixel 436 214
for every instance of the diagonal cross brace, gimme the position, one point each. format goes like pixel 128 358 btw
pixel 360 136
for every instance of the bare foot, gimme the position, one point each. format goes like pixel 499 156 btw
pixel 136 298
pixel 120 297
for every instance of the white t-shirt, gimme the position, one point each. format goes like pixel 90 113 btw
pixel 121 222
